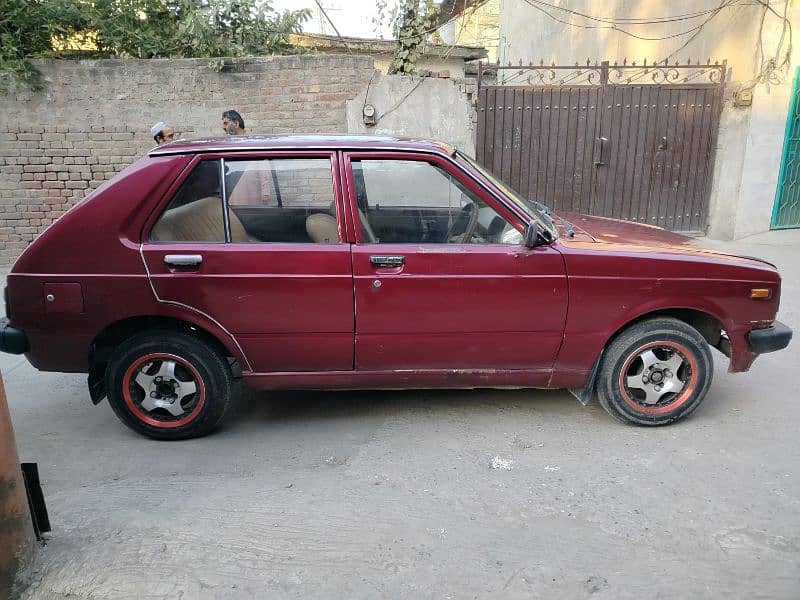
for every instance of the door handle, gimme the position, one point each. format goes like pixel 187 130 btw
pixel 183 260
pixel 388 262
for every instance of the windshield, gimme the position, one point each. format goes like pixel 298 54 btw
pixel 538 213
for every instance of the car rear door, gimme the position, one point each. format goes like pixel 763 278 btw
pixel 429 296
pixel 255 242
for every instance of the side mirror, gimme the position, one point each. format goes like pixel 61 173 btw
pixel 535 235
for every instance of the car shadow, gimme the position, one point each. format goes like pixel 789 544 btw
pixel 282 406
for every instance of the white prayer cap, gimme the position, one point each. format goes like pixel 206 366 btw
pixel 157 128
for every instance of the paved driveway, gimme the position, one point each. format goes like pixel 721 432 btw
pixel 389 495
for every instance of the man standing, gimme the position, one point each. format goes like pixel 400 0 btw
pixel 162 133
pixel 233 123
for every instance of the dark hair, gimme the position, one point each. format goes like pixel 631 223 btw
pixel 159 136
pixel 232 115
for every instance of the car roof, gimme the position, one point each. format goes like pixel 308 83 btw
pixel 234 143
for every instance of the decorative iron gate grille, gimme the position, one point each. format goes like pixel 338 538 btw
pixel 786 213
pixel 632 142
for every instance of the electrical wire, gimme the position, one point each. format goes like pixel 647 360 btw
pixel 538 5
pixel 400 102
pixel 325 14
pixel 723 4
pixel 629 20
pixel 366 94
pixel 769 71
pixel 772 70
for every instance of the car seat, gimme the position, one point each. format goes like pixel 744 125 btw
pixel 322 228
pixel 199 221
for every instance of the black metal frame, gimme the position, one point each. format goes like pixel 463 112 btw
pixel 36 503
pixel 606 73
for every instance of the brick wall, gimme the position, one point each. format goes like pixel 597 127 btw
pixel 93 119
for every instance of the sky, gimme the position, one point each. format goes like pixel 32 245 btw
pixel 352 18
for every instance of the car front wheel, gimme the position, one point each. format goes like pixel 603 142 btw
pixel 168 385
pixel 655 372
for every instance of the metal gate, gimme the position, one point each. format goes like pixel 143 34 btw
pixel 786 213
pixel 632 142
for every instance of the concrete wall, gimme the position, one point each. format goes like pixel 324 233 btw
pixel 432 108
pixel 750 139
pixel 454 66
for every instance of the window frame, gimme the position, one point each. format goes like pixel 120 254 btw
pixel 169 195
pixel 452 168
pixel 250 155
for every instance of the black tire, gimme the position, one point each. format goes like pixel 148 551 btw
pixel 637 368
pixel 201 383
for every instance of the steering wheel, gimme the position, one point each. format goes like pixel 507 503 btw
pixel 466 219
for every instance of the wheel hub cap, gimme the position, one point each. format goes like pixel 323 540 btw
pixel 163 389
pixel 653 373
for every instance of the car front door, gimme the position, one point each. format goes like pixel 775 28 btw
pixel 442 279
pixel 255 243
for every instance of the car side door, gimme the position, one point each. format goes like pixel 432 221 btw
pixel 255 242
pixel 442 278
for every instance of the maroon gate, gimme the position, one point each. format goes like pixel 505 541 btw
pixel 623 141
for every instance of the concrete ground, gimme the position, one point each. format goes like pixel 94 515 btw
pixel 393 494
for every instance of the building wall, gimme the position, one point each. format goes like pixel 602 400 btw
pixel 477 26
pixel 93 119
pixel 424 107
pixel 453 66
pixel 750 139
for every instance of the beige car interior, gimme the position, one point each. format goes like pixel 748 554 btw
pixel 199 221
pixel 322 228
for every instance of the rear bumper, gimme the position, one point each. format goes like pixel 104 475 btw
pixel 12 340
pixel 771 339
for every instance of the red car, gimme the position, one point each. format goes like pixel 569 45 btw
pixel 363 262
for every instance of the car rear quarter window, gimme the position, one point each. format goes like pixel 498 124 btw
pixel 195 212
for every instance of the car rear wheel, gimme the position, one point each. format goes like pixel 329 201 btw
pixel 654 373
pixel 168 385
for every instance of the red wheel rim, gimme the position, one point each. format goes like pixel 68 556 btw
pixel 648 366
pixel 140 382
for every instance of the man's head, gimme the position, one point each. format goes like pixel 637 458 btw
pixel 162 133
pixel 232 122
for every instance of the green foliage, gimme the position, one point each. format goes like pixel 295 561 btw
pixel 412 23
pixel 139 29
pixel 27 28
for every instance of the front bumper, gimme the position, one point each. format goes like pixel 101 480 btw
pixel 12 340
pixel 771 339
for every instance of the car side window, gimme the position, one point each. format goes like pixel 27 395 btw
pixel 408 201
pixel 282 200
pixel 195 213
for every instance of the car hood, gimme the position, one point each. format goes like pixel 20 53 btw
pixel 615 234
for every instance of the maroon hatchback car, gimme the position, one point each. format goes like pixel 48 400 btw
pixel 363 262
